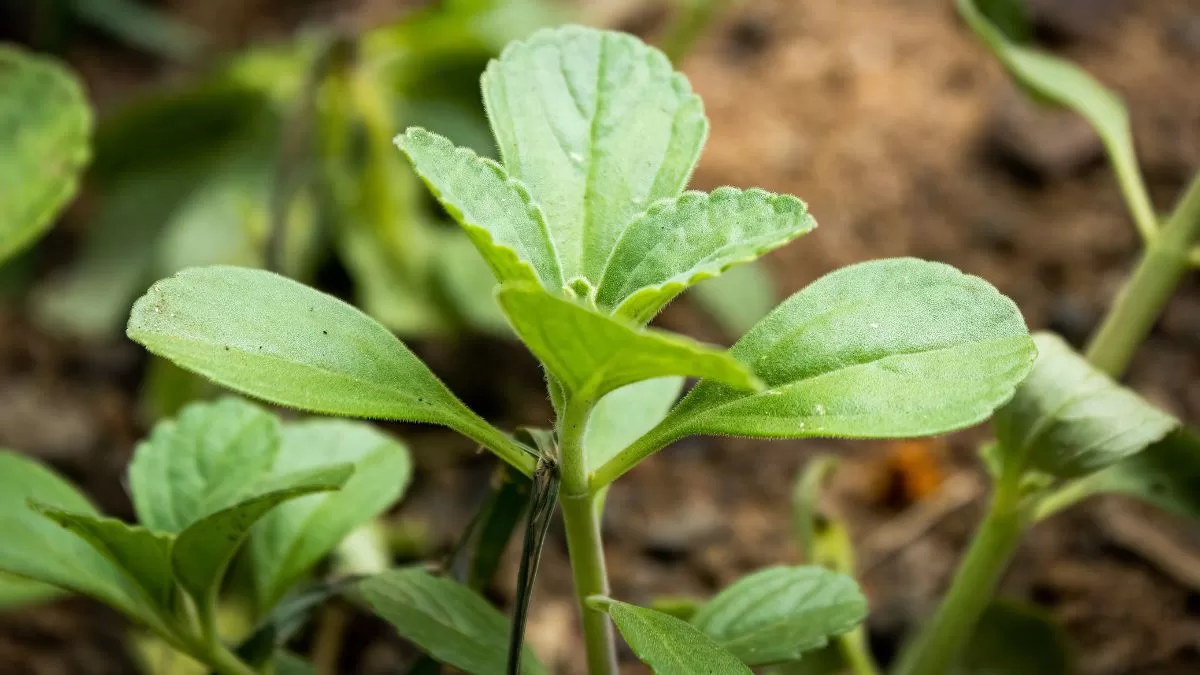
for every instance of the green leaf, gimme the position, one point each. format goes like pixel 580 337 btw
pixel 599 127
pixel 1165 474
pixel 44 128
pixel 17 592
pixel 142 554
pixel 627 413
pixel 496 211
pixel 293 538
pixel 777 614
pixel 276 339
pixel 1014 639
pixel 1011 17
pixel 287 663
pixel 448 620
pixel 1069 419
pixel 1066 84
pixel 882 349
pixel 679 243
pixel 592 354
pixel 739 298
pixel 469 285
pixel 668 645
pixel 204 461
pixel 34 547
pixel 202 551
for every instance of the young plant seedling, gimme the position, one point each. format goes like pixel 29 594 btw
pixel 587 228
pixel 223 477
pixel 1071 430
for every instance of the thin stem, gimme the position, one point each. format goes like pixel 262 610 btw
pixel 503 445
pixel 693 18
pixel 857 653
pixel 939 644
pixel 571 429
pixel 1146 292
pixel 582 523
pixel 651 442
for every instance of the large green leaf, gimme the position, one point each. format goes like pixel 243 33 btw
pixel 142 554
pixel 739 298
pixel 882 349
pixel 1066 84
pixel 697 236
pixel 1013 639
pixel 293 538
pixel 777 614
pixel 668 645
pixel 1069 419
pixel 599 127
pixel 276 339
pixel 448 620
pixel 627 413
pixel 592 354
pixel 495 210
pixel 44 127
pixel 206 460
pixel 202 551
pixel 1166 474
pixel 34 547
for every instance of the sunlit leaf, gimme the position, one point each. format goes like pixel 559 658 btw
pixel 1069 419
pixel 668 645
pixel 679 243
pixel 599 127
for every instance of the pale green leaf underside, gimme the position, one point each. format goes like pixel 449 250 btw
pixel 599 127
pixel 1066 84
pixel 451 622
pixel 627 413
pixel 34 547
pixel 142 554
pixel 290 540
pixel 1069 419
pixel 883 349
pixel 278 340
pixel 739 298
pixel 777 614
pixel 44 127
pixel 670 646
pixel 202 552
pixel 204 461
pixel 496 211
pixel 697 236
pixel 592 354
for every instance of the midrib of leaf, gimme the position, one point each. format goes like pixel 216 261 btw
pixel 206 502
pixel 881 361
pixel 601 70
pixel 1047 420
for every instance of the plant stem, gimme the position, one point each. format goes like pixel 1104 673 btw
pixel 582 523
pixel 581 519
pixel 857 653
pixel 939 644
pixel 1146 292
pixel 693 17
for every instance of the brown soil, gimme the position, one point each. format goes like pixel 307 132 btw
pixel 906 139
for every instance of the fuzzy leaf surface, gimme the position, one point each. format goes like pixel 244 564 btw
pixel 44 126
pixel 1069 419
pixel 204 461
pixel 144 555
pixel 778 614
pixel 17 592
pixel 627 413
pixel 496 211
pixel 670 646
pixel 451 622
pixel 592 354
pixel 599 126
pixel 290 540
pixel 883 349
pixel 35 547
pixel 203 551
pixel 278 340
pixel 697 236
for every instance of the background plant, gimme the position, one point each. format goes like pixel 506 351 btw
pixel 587 230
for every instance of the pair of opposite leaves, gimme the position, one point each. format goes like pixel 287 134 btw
pixel 598 137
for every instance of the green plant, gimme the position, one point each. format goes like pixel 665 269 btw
pixel 222 477
pixel 587 229
pixel 1071 430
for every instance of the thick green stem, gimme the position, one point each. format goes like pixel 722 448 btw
pixel 582 522
pixel 1146 292
pixel 994 543
pixel 857 652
